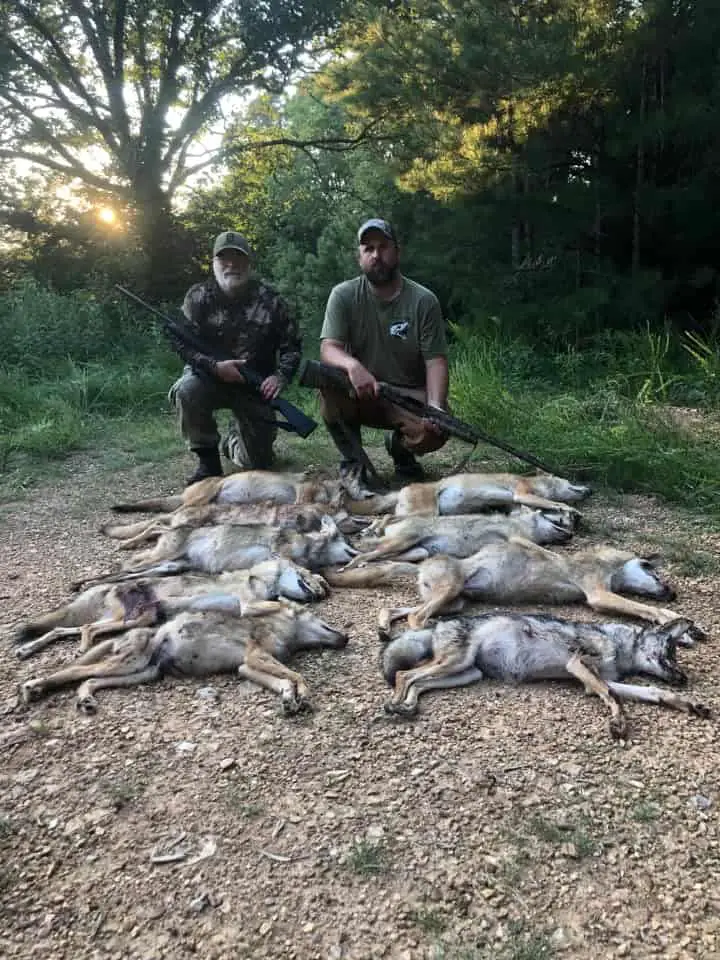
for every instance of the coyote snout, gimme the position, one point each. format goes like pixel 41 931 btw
pixel 525 648
pixel 255 645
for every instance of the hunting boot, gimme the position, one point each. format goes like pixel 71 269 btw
pixel 406 466
pixel 208 464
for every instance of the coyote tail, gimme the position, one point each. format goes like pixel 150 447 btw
pixel 373 506
pixel 153 505
pixel 405 652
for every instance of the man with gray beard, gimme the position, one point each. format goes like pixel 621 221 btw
pixel 237 316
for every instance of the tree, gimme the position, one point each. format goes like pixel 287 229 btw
pixel 118 94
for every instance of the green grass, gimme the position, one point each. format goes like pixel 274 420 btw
pixel 369 857
pixel 600 416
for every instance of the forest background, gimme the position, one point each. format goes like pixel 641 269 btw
pixel 552 168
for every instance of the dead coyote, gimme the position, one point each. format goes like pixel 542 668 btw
pixel 473 493
pixel 300 517
pixel 418 537
pixel 109 608
pixel 221 548
pixel 520 648
pixel 249 486
pixel 518 571
pixel 254 645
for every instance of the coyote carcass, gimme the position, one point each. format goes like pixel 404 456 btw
pixel 517 571
pixel 110 608
pixel 417 537
pixel 298 516
pixel 520 648
pixel 248 486
pixel 473 493
pixel 255 645
pixel 220 548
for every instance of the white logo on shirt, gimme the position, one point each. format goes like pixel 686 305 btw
pixel 400 329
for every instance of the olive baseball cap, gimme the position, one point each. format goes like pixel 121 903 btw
pixel 231 241
pixel 377 224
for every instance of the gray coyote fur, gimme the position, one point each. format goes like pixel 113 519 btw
pixel 221 548
pixel 473 493
pixel 418 537
pixel 300 517
pixel 248 486
pixel 520 648
pixel 109 608
pixel 254 645
pixel 518 571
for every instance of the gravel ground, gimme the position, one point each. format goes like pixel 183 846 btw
pixel 502 823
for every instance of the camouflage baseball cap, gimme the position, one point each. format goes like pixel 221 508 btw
pixel 377 224
pixel 231 241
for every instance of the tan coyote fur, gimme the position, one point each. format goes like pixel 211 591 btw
pixel 473 493
pixel 220 548
pixel 248 486
pixel 518 572
pixel 109 608
pixel 521 648
pixel 418 537
pixel 254 645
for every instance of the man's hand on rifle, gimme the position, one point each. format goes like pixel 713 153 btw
pixel 363 382
pixel 433 427
pixel 229 371
pixel 271 386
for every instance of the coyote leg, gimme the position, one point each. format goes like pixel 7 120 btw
pixel 605 601
pixel 102 660
pixel 273 675
pixel 441 600
pixel 663 698
pixel 90 631
pixel 391 547
pixel 386 618
pixel 32 647
pixel 593 684
pixel 150 532
pixel 85 697
pixel 436 675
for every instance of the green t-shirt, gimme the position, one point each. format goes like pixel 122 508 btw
pixel 393 340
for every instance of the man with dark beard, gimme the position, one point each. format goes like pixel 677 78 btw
pixel 237 316
pixel 381 326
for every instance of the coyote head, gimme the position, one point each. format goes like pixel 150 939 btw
pixel 326 547
pixel 655 649
pixel 557 488
pixel 554 526
pixel 639 576
pixel 313 631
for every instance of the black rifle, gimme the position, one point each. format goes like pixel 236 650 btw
pixel 315 374
pixel 295 420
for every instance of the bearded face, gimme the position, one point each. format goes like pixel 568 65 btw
pixel 232 272
pixel 379 258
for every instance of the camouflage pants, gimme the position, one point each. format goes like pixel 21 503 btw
pixel 251 434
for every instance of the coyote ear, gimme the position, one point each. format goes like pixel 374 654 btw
pixel 327 524
pixel 676 628
pixel 653 559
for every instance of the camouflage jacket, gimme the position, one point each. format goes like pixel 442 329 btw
pixel 257 329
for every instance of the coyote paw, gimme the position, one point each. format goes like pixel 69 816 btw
pixel 30 690
pixel 619 728
pixel 25 650
pixel 698 710
pixel 292 705
pixel 401 709
pixel 696 633
pixel 86 703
